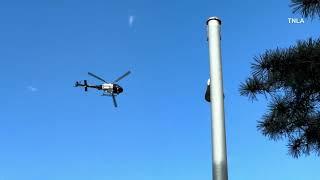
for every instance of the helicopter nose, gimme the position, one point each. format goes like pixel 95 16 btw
pixel 120 90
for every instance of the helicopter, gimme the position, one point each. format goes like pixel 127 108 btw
pixel 109 89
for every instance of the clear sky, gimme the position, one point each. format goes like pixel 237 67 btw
pixel 50 130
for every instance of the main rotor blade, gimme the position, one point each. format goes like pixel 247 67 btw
pixel 119 78
pixel 95 76
pixel 114 101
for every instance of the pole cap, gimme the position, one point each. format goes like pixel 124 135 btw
pixel 214 18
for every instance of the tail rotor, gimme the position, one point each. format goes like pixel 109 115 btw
pixel 85 85
pixel 76 84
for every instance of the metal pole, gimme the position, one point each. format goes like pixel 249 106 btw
pixel 219 155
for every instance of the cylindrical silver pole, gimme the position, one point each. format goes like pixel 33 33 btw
pixel 219 155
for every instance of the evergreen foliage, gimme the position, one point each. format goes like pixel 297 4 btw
pixel 291 79
pixel 307 8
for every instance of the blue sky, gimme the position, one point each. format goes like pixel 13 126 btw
pixel 161 130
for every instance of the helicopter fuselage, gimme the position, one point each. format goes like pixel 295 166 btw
pixel 111 88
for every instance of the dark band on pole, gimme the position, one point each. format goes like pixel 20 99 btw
pixel 214 18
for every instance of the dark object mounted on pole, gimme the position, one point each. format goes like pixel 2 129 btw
pixel 207 95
